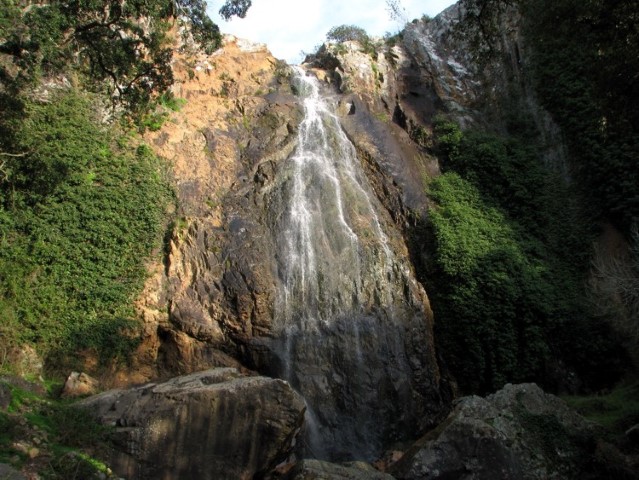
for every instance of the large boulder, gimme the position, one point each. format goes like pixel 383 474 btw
pixel 215 424
pixel 520 432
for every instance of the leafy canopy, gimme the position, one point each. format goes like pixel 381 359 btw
pixel 122 43
pixel 346 33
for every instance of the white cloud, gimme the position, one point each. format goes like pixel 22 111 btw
pixel 290 26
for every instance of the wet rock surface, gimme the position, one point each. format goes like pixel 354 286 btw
pixel 208 425
pixel 520 432
pixel 216 301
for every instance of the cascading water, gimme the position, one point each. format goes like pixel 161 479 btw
pixel 340 322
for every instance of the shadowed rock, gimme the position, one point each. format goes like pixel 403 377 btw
pixel 319 470
pixel 207 425
pixel 520 432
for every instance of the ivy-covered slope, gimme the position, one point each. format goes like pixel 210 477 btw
pixel 81 210
pixel 82 200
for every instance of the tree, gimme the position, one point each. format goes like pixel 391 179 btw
pixel 346 33
pixel 397 11
pixel 615 284
pixel 236 8
pixel 123 42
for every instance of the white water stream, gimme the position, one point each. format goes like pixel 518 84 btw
pixel 338 343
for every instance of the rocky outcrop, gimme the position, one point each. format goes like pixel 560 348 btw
pixel 214 303
pixel 209 425
pixel 477 79
pixel 517 433
pixel 216 290
pixel 79 385
pixel 447 65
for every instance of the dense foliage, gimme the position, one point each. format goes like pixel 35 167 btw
pixel 585 71
pixel 346 33
pixel 81 208
pixel 82 204
pixel 507 275
pixel 123 46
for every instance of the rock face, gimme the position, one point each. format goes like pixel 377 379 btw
pixel 454 69
pixel 216 290
pixel 218 301
pixel 7 472
pixel 517 433
pixel 352 329
pixel 208 425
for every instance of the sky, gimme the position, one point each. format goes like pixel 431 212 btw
pixel 289 27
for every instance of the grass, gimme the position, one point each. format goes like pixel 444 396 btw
pixel 68 436
pixel 616 411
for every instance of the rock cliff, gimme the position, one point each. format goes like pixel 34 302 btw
pixel 215 301
pixel 370 375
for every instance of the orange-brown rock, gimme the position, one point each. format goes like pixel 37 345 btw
pixel 216 289
pixel 79 384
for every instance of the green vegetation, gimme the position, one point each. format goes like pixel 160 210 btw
pixel 121 48
pixel 585 67
pixel 513 240
pixel 583 64
pixel 507 274
pixel 69 437
pixel 81 209
pixel 82 201
pixel 347 33
pixel 352 33
pixel 617 410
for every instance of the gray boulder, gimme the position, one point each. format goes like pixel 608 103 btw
pixel 520 432
pixel 215 424
pixel 7 472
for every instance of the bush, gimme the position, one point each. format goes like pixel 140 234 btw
pixel 81 214
pixel 346 33
pixel 486 298
pixel 507 275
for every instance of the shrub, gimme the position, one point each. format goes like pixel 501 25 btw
pixel 346 33
pixel 507 276
pixel 81 214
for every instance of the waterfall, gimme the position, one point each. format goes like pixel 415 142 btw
pixel 340 338
pixel 328 203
